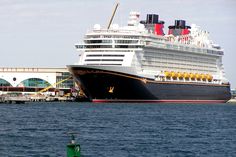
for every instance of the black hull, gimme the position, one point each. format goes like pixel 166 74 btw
pixel 110 86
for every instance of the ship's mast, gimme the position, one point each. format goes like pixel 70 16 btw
pixel 113 14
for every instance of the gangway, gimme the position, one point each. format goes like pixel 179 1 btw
pixel 48 87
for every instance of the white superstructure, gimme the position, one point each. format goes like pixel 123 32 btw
pixel 191 57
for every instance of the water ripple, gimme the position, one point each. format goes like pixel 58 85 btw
pixel 168 130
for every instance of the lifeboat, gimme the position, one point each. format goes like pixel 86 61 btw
pixel 186 75
pixel 203 76
pixel 209 77
pixel 174 74
pixel 167 74
pixel 180 75
pixel 198 76
pixel 192 76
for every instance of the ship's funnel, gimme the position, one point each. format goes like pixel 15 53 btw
pixel 152 19
pixel 159 28
pixel 153 25
pixel 179 28
pixel 180 24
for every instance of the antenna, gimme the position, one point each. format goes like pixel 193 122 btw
pixel 113 14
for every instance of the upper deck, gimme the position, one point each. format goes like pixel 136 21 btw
pixel 115 39
pixel 144 46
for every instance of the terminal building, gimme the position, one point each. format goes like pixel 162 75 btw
pixel 50 81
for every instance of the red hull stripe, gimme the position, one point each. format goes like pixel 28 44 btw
pixel 159 101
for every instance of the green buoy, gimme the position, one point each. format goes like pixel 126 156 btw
pixel 73 149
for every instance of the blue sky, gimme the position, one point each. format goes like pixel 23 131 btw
pixel 42 33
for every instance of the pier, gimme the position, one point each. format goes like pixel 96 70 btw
pixel 15 99
pixel 21 99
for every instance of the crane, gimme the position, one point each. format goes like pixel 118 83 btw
pixel 113 14
pixel 48 87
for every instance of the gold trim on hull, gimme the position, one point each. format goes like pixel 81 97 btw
pixel 146 80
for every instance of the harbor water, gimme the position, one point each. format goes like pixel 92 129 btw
pixel 118 130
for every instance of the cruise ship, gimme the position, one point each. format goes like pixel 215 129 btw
pixel 140 63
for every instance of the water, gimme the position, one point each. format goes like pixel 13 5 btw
pixel 118 130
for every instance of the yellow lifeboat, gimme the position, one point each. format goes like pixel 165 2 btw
pixel 192 76
pixel 167 74
pixel 174 74
pixel 186 75
pixel 198 76
pixel 209 77
pixel 203 76
pixel 180 75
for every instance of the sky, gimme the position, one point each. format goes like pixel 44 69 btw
pixel 42 33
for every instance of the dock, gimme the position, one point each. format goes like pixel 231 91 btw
pixel 16 99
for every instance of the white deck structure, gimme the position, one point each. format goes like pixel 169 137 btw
pixel 179 58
